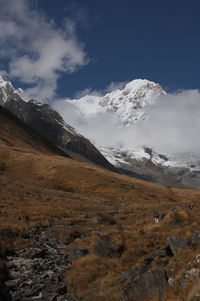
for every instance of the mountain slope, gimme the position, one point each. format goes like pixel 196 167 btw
pixel 69 224
pixel 49 123
pixel 13 128
pixel 146 164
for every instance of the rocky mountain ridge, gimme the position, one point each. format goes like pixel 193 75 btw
pixel 48 122
pixel 146 164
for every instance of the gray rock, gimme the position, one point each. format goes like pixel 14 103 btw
pixel 38 270
pixel 135 272
pixel 164 252
pixel 147 285
pixel 178 244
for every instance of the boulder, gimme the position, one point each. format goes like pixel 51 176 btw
pixel 134 272
pixel 141 284
pixel 176 244
pixel 164 252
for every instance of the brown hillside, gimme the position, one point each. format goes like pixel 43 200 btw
pixel 109 215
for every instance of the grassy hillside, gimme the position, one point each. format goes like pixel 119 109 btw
pixel 110 215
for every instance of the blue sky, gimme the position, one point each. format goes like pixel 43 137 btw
pixel 120 40
pixel 128 39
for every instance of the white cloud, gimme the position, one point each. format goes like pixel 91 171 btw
pixel 87 91
pixel 172 126
pixel 174 123
pixel 36 49
pixel 70 112
pixel 116 85
pixel 111 87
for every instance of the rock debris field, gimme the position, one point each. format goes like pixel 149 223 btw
pixel 37 272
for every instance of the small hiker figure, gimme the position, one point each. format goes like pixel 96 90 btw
pixel 191 205
pixel 156 218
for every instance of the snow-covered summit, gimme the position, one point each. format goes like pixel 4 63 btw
pixel 7 90
pixel 128 104
pixel 3 81
pixel 131 102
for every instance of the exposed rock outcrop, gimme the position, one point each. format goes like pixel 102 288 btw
pixel 141 284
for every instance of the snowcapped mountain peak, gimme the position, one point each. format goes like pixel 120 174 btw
pixel 7 91
pixel 139 83
pixel 136 86
pixel 131 102
pixel 128 105
pixel 3 81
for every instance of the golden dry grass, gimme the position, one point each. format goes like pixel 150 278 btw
pixel 38 187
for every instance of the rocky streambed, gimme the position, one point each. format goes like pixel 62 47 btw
pixel 37 272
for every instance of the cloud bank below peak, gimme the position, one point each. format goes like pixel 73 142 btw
pixel 172 124
pixel 35 49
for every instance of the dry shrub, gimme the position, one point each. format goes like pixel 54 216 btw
pixel 93 278
pixel 20 243
pixel 131 256
pixel 102 218
pixel 10 238
pixel 173 296
pixel 117 237
pixel 177 216
pixel 69 235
